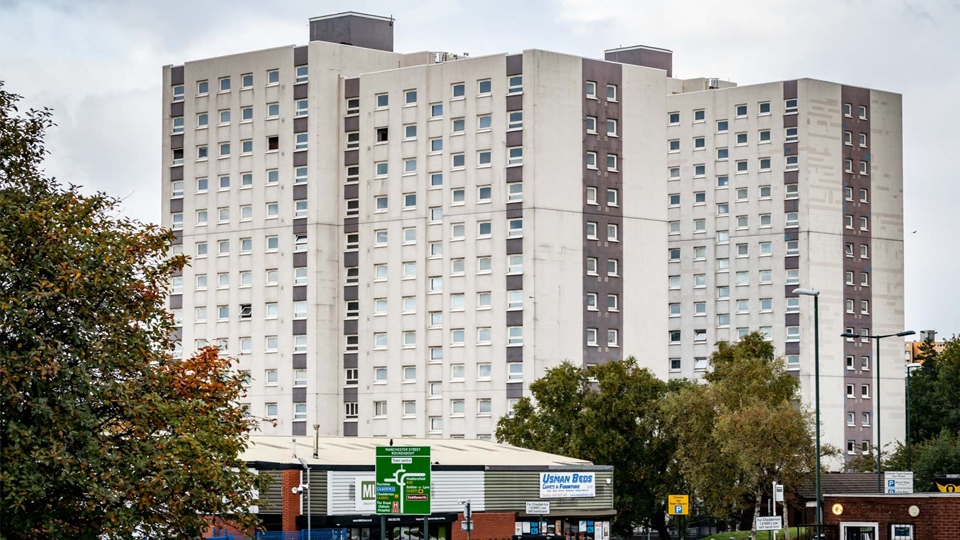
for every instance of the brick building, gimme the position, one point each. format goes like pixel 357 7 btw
pixel 915 516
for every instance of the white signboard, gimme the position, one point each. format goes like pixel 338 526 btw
pixel 898 482
pixel 769 523
pixel 538 508
pixel 365 496
pixel 563 485
pixel 778 493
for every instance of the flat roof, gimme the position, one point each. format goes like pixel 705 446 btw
pixel 271 451
pixel 351 13
pixel 633 47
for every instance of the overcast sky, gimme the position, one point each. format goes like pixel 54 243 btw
pixel 98 65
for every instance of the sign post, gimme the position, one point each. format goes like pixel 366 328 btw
pixel 678 505
pixel 769 523
pixel 539 508
pixel 403 480
pixel 898 482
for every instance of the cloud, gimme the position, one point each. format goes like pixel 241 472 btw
pixel 98 64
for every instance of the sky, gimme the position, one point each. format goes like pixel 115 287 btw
pixel 97 64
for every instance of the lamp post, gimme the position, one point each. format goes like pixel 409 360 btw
pixel 876 392
pixel 816 384
pixel 910 367
pixel 306 467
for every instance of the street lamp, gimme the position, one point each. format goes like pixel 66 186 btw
pixel 877 390
pixel 306 467
pixel 816 384
pixel 909 453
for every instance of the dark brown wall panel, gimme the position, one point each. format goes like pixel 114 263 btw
pixel 514 64
pixel 176 109
pixel 301 91
pixel 351 88
pixel 176 75
pixel 301 56
pixel 604 74
pixel 300 158
pixel 299 361
pixel 299 293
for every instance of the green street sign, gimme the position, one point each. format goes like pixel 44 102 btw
pixel 403 480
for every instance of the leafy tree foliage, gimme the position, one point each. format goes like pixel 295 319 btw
pixel 933 391
pixel 608 414
pixel 103 434
pixel 743 430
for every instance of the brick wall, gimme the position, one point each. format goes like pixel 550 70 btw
pixel 486 526
pixel 291 502
pixel 939 516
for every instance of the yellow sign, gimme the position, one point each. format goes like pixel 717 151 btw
pixel 678 505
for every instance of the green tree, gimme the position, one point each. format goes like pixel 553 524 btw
pixel 933 391
pixel 742 430
pixel 932 457
pixel 608 414
pixel 103 434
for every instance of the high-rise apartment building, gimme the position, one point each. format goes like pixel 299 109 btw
pixel 399 244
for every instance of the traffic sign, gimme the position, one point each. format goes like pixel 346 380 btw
pixel 769 523
pixel 678 505
pixel 403 480
pixel 898 481
pixel 538 508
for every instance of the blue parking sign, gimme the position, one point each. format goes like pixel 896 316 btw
pixel 678 509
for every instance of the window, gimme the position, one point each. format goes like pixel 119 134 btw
pixel 742 166
pixel 790 106
pixel 764 108
pixel 862 112
pixel 865 279
pixel 699 143
pixel 741 139
pixel 793 219
pixel 674 282
pixel 611 162
pixel 591 89
pixel 591 124
pixel 865 391
pixel 699 281
pixel 673 118
pixel 723 209
pixel 764 135
pixel 864 167
pixel 612 232
pixel 409 409
pixel 436 110
pixel 514 156
pixel 864 251
pixel 793 248
pixel 698 116
pixel 673 173
pixel 792 163
pixel 791 135
pixel 592 230
pixel 699 225
pixel 741 111
pixel 410 97
pixel 592 337
pixel 382 100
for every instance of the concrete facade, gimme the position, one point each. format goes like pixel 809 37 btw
pixel 427 234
